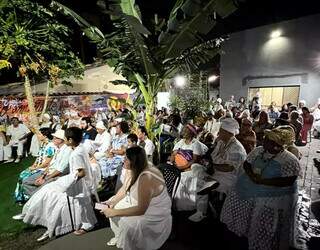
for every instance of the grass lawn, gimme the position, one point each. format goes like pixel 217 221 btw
pixel 8 180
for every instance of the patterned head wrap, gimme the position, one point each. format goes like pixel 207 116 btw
pixel 230 125
pixel 192 128
pixel 281 136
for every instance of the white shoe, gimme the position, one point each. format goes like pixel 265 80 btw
pixel 17 160
pixel 43 237
pixel 208 187
pixel 197 217
pixel 112 242
pixel 18 217
pixel 9 161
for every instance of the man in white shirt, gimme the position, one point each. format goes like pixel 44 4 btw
pixel 17 134
pixel 230 103
pixel 316 124
pixel 145 142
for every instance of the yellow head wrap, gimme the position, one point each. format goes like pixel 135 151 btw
pixel 280 135
pixel 2 128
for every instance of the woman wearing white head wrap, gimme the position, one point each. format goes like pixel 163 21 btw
pixel 227 157
pixel 102 140
pixel 217 105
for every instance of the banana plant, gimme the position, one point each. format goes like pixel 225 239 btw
pixel 149 55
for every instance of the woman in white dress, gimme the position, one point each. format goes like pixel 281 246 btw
pixel 140 213
pixel 49 206
pixel 261 205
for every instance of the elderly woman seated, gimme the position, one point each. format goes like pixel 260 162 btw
pixel 186 156
pixel 247 136
pixel 261 204
pixel 227 157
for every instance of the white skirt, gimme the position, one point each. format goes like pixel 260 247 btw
pixel 49 208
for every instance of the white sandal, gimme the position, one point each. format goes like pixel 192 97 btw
pixel 112 242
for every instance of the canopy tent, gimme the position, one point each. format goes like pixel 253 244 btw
pixel 97 79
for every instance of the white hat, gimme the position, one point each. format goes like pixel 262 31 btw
pixel 118 119
pixel 59 134
pixel 55 117
pixel 47 116
pixel 100 125
pixel 73 113
pixel 303 101
pixel 230 125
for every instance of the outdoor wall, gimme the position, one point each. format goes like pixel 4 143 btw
pixel 252 59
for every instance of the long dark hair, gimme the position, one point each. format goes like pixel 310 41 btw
pixel 138 163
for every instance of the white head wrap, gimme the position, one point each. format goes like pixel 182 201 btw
pixel 100 125
pixel 303 101
pixel 47 116
pixel 230 125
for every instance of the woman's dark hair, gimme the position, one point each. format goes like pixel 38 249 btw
pixel 87 120
pixel 292 108
pixel 143 130
pixel 74 133
pixel 284 116
pixel 124 126
pixel 305 109
pixel 175 119
pixel 242 98
pixel 47 132
pixel 138 163
pixel 133 138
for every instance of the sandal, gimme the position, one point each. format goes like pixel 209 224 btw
pixel 112 242
pixel 80 231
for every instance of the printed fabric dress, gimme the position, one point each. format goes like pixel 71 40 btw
pixel 48 207
pixel 46 151
pixel 144 232
pixel 264 214
pixel 113 166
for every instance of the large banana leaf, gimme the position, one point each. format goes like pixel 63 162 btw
pixel 191 59
pixel 127 7
pixel 128 39
pixel 189 21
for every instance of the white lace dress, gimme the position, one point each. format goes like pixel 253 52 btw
pixel 148 231
pixel 49 206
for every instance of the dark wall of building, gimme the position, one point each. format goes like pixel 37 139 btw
pixel 253 59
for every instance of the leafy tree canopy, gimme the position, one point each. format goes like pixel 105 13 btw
pixel 33 41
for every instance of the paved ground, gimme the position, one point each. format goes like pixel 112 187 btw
pixel 310 183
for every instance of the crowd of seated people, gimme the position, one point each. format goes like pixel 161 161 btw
pixel 239 163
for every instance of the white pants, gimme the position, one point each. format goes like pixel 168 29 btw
pixel 1 149
pixel 8 149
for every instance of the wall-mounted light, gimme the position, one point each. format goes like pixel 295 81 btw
pixel 275 34
pixel 212 78
pixel 180 81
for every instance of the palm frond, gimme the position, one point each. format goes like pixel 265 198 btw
pixel 191 59
pixel 189 21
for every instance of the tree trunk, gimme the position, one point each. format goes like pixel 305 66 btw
pixel 32 112
pixel 149 117
pixel 45 100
